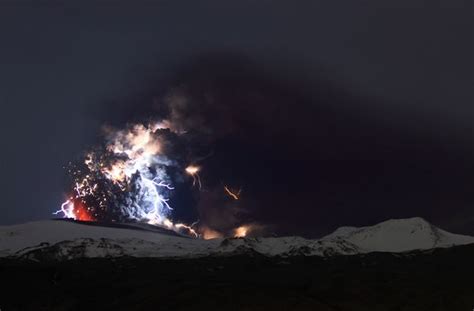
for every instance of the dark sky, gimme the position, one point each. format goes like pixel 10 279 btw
pixel 371 101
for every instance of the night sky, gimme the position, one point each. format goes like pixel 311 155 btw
pixel 326 113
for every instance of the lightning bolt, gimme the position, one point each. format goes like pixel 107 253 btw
pixel 233 195
pixel 132 160
pixel 67 208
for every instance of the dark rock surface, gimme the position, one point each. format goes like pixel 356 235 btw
pixel 441 279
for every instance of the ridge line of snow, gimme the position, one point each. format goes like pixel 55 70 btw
pixel 65 240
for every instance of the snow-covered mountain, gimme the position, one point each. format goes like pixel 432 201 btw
pixel 398 235
pixel 60 240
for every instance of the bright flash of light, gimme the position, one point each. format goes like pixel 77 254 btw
pixel 208 234
pixel 67 208
pixel 241 231
pixel 187 228
pixel 126 180
pixel 233 194
pixel 76 211
pixel 139 165
pixel 193 171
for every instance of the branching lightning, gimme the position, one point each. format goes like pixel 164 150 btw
pixel 67 208
pixel 130 178
pixel 127 179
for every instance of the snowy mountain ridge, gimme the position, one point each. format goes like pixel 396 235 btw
pixel 398 235
pixel 62 240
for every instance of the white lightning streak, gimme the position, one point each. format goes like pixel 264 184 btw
pixel 67 212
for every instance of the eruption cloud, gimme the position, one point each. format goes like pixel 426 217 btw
pixel 170 173
pixel 126 179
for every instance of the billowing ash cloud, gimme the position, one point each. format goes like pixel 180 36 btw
pixel 301 154
pixel 197 161
pixel 150 172
pixel 128 178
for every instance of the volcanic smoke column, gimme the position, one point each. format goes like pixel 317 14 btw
pixel 126 179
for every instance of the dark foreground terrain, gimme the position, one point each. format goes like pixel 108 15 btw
pixel 439 280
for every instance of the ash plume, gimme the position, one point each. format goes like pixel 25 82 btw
pixel 188 162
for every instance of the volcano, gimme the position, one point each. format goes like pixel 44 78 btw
pixel 402 264
pixel 63 240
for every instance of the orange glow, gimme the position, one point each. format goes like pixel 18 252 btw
pixel 116 172
pixel 81 212
pixel 241 231
pixel 208 234
pixel 189 229
pixel 193 171
pixel 141 140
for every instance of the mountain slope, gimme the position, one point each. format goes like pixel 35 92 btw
pixel 398 235
pixel 18 240
pixel 62 240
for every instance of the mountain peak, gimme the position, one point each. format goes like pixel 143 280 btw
pixel 398 235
